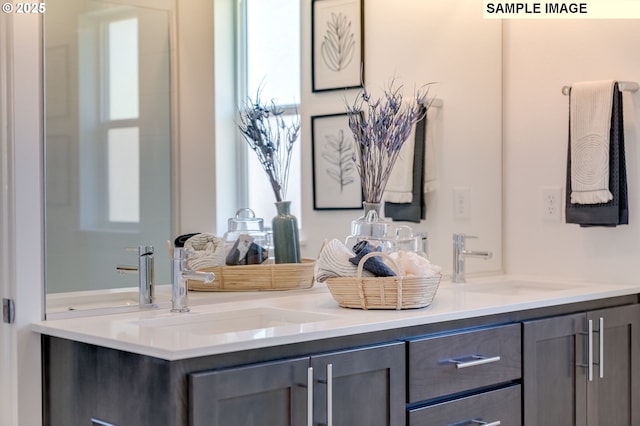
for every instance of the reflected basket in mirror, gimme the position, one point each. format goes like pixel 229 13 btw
pixel 264 277
pixel 248 265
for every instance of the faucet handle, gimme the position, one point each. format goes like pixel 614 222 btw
pixel 462 237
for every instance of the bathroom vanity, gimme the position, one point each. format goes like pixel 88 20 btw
pixel 504 350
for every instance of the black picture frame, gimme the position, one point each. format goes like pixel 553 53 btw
pixel 336 182
pixel 337 44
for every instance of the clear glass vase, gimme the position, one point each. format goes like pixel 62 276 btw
pixel 286 240
pixel 371 227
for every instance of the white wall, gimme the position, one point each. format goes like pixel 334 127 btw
pixel 540 58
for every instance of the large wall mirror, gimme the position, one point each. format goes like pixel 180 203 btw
pixel 110 184
pixel 108 142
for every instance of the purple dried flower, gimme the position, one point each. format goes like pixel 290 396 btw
pixel 380 127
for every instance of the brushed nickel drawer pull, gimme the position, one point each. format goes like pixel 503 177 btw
pixel 480 422
pixel 475 360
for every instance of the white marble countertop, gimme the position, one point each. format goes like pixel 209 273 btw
pixel 228 322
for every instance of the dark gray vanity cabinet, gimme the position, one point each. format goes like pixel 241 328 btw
pixel 524 367
pixel 583 369
pixel 357 387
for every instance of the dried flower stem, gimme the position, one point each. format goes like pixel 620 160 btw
pixel 271 138
pixel 380 128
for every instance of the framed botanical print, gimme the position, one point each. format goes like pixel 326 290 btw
pixel 337 44
pixel 336 182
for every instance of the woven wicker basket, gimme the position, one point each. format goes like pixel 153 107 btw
pixel 397 292
pixel 271 276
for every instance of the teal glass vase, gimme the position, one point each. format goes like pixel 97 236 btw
pixel 286 240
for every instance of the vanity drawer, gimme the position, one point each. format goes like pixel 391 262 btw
pixel 446 364
pixel 499 407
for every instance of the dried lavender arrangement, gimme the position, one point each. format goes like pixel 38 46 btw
pixel 380 127
pixel 271 138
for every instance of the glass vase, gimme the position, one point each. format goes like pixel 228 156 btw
pixel 370 227
pixel 286 241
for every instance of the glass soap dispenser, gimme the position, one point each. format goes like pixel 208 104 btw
pixel 246 242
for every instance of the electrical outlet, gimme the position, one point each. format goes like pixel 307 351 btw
pixel 461 202
pixel 551 203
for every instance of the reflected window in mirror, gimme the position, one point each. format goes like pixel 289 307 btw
pixel 112 183
pixel 123 139
pixel 270 66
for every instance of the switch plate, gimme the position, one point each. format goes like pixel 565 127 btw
pixel 461 202
pixel 551 203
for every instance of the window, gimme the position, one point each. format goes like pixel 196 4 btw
pixel 122 113
pixel 270 63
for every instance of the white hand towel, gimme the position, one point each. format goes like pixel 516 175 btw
pixel 591 104
pixel 399 187
pixel 204 251
pixel 333 262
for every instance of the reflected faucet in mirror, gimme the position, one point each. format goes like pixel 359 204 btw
pixel 460 253
pixel 181 274
pixel 146 275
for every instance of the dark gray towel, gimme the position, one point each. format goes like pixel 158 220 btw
pixel 375 264
pixel 416 209
pixel 616 211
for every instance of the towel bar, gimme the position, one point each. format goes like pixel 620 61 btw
pixel 435 102
pixel 623 86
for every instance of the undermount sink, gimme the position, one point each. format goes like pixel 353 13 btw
pixel 208 323
pixel 518 288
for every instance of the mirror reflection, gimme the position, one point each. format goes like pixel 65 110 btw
pixel 107 143
pixel 109 151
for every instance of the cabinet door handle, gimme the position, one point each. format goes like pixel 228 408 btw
pixel 329 394
pixel 601 336
pixel 475 360
pixel 310 396
pixel 480 422
pixel 589 364
pixel 590 350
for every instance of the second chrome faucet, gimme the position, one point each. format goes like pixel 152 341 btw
pixel 460 253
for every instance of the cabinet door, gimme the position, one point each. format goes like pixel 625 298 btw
pixel 616 373
pixel 360 387
pixel 273 394
pixel 554 373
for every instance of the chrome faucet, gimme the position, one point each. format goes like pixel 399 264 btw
pixel 460 253
pixel 181 273
pixel 146 275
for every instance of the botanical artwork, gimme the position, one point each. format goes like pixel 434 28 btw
pixel 336 183
pixel 337 44
pixel 338 151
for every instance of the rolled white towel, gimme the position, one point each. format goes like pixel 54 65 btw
pixel 333 262
pixel 204 251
